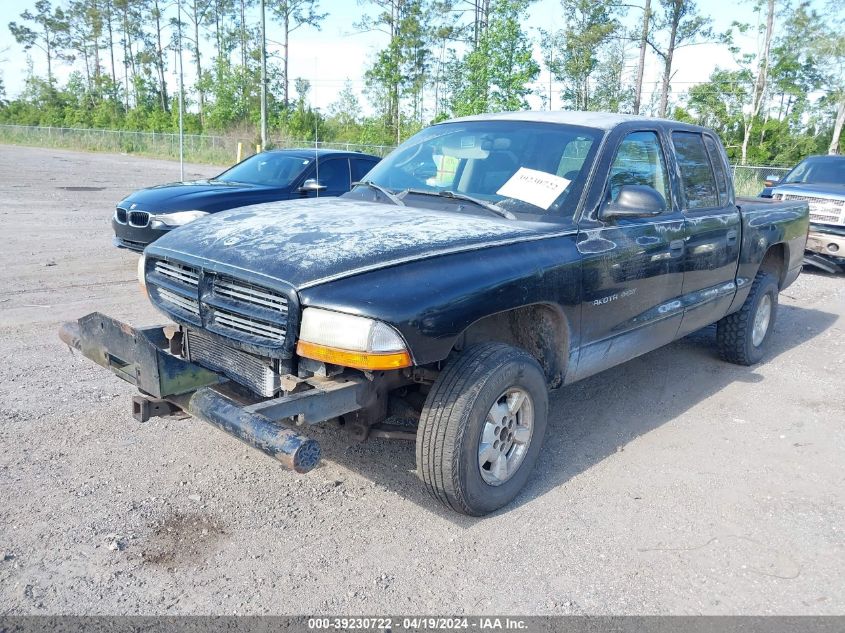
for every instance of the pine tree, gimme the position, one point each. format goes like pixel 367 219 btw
pixel 685 27
pixel 293 14
pixel 497 75
pixel 49 33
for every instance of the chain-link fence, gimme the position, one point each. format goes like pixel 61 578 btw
pixel 223 150
pixel 202 148
pixel 749 179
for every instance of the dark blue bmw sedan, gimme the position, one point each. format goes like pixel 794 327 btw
pixel 274 175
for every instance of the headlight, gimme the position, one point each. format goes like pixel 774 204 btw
pixel 350 341
pixel 169 220
pixel 142 260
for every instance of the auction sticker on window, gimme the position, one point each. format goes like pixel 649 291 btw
pixel 534 187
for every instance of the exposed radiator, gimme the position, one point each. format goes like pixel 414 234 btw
pixel 254 372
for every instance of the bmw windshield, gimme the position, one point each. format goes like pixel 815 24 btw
pixel 273 169
pixel 510 167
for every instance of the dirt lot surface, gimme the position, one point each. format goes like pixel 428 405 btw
pixel 673 484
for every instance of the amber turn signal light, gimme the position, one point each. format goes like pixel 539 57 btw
pixel 356 360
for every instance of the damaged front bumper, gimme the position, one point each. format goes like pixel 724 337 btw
pixel 144 357
pixel 826 248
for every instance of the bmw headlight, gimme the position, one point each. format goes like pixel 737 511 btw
pixel 177 218
pixel 350 341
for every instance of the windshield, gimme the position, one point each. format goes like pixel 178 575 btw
pixel 266 168
pixel 523 167
pixel 818 169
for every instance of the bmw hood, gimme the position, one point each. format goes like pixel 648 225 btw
pixel 185 195
pixel 307 242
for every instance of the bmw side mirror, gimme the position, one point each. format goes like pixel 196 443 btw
pixel 771 180
pixel 634 201
pixel 312 184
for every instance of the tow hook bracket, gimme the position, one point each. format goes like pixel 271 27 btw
pixel 144 408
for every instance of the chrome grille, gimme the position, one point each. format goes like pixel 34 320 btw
pixel 254 317
pixel 256 373
pixel 120 215
pixel 178 272
pixel 188 305
pixel 823 210
pixel 249 325
pixel 246 292
pixel 139 219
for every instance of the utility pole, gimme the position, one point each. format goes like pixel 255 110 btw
pixel 263 80
pixel 181 94
pixel 641 65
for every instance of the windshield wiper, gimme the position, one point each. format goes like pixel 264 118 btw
pixel 382 190
pixel 462 196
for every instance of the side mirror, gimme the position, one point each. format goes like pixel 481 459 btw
pixel 634 201
pixel 312 184
pixel 771 180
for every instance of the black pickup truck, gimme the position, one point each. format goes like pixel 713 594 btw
pixel 485 261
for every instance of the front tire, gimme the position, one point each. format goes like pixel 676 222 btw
pixel 482 428
pixel 743 336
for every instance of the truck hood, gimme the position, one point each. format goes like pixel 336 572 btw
pixel 307 242
pixel 821 190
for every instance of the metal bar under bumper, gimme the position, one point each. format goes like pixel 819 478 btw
pixel 259 424
pixel 328 399
pixel 294 451
pixel 832 265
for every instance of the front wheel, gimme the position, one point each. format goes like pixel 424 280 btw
pixel 482 428
pixel 743 336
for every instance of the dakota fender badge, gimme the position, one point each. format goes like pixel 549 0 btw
pixel 615 296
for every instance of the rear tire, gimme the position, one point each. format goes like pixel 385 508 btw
pixel 743 336
pixel 482 428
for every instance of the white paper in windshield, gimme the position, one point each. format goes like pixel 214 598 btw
pixel 534 187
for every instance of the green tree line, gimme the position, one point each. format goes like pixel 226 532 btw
pixel 440 58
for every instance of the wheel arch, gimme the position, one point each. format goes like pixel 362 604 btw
pixel 541 329
pixel 776 262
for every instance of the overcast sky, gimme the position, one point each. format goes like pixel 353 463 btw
pixel 335 53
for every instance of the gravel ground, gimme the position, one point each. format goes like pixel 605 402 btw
pixel 672 484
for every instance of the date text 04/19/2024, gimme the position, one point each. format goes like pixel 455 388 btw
pixel 416 623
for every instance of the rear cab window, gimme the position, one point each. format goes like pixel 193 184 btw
pixel 698 181
pixel 715 153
